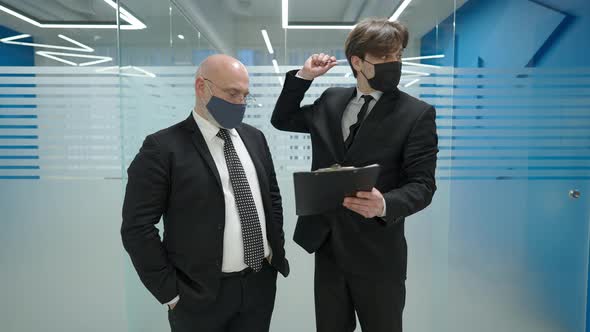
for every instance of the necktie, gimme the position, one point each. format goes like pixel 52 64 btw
pixel 359 120
pixel 251 230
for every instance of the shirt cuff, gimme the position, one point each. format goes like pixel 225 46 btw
pixel 301 77
pixel 384 209
pixel 174 300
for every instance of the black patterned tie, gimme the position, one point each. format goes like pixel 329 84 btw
pixel 251 230
pixel 359 120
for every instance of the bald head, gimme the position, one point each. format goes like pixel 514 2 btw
pixel 221 65
pixel 223 76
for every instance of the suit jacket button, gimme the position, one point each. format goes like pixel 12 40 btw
pixel 219 227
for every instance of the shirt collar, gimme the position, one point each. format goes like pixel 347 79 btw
pixel 375 94
pixel 209 129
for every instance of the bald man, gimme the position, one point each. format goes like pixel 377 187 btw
pixel 212 180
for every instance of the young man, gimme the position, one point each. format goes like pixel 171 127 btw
pixel 212 179
pixel 360 248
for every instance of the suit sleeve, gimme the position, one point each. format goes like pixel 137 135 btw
pixel 276 200
pixel 145 202
pixel 418 169
pixel 288 114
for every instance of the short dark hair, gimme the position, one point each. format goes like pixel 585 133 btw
pixel 375 36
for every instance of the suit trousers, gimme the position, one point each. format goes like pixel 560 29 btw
pixel 244 303
pixel 377 300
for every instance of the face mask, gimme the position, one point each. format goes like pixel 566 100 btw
pixel 387 76
pixel 228 115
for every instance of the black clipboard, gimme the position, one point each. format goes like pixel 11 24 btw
pixel 323 190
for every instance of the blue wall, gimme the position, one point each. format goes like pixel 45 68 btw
pixel 15 55
pixel 18 55
pixel 495 34
pixel 515 34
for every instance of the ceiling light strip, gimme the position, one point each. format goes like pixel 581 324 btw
pixel 12 41
pixel 425 57
pixel 267 41
pixel 412 83
pixel 275 64
pixel 85 47
pixel 419 65
pixel 134 22
pixel 57 59
pixel 54 56
pixel 398 12
pixel 19 16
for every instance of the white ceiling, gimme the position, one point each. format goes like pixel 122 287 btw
pixel 224 25
pixel 248 16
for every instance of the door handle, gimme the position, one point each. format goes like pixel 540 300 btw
pixel 575 193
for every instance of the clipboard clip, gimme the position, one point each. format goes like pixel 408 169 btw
pixel 333 168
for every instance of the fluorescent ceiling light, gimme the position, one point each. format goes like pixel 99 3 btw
pixel 398 12
pixel 55 56
pixel 125 71
pixel 438 56
pixel 125 15
pixel 286 25
pixel 58 59
pixel 419 65
pixel 415 72
pixel 267 41
pixel 276 65
pixel 90 63
pixel 285 13
pixel 19 16
pixel 425 57
pixel 181 36
pixel 412 83
pixel 134 22
pixel 81 48
pixel 141 70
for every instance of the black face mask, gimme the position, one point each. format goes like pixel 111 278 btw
pixel 387 76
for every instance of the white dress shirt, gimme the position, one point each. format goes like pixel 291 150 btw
pixel 233 243
pixel 353 108
pixel 349 117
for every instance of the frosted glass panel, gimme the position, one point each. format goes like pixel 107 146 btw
pixel 167 97
pixel 503 246
pixel 63 267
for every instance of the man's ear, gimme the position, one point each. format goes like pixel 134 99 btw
pixel 356 63
pixel 199 86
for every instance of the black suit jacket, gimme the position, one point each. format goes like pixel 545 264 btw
pixel 400 135
pixel 174 176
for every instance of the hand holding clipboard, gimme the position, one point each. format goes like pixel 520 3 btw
pixel 322 190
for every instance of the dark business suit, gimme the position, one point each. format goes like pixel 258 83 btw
pixel 365 258
pixel 175 177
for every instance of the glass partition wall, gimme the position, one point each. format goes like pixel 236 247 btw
pixel 503 246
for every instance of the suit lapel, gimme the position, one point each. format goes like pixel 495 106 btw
pixel 334 122
pixel 201 146
pixel 384 107
pixel 253 150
